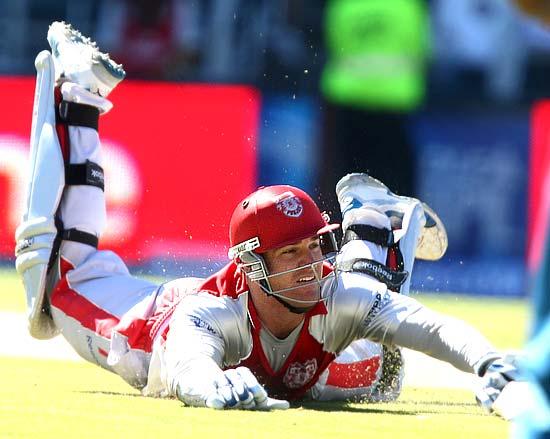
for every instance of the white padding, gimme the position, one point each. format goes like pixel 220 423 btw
pixel 36 226
pixel 356 249
pixel 408 235
pixel 83 207
pixel 46 181
pixel 34 243
pixel 366 216
pixel 75 93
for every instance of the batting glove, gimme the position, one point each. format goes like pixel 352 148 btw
pixel 496 377
pixel 233 388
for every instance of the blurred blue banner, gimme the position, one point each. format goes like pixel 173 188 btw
pixel 472 169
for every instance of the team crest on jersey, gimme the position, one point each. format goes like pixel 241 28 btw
pixel 298 374
pixel 290 205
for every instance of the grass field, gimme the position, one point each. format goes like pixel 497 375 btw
pixel 51 399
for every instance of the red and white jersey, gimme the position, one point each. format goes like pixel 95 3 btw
pixel 219 324
pixel 155 337
pixel 149 334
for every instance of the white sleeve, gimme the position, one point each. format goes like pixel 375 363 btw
pixel 445 338
pixel 206 334
pixel 364 308
pixel 383 316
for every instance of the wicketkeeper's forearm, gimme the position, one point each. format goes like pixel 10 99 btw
pixel 445 338
pixel 191 352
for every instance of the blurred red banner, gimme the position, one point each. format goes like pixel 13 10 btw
pixel 539 184
pixel 177 157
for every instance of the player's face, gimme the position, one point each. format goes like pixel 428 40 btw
pixel 301 282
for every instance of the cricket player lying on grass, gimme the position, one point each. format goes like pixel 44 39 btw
pixel 289 317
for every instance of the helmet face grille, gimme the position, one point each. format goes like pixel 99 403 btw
pixel 256 270
pixel 253 266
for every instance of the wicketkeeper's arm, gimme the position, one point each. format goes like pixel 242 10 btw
pixel 445 338
pixel 502 387
pixel 194 356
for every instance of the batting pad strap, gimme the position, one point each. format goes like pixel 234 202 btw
pixel 88 173
pixel 392 278
pixel 80 236
pixel 363 232
pixel 80 115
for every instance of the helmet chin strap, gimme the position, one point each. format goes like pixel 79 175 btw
pixel 293 309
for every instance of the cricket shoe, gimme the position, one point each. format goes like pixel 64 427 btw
pixel 78 59
pixel 361 190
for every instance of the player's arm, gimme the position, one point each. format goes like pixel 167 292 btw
pixel 386 317
pixel 405 322
pixel 393 319
pixel 203 337
pixel 460 344
pixel 383 316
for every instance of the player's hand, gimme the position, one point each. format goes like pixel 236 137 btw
pixel 499 390
pixel 234 388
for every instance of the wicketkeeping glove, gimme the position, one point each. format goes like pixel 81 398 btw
pixel 233 388
pixel 502 373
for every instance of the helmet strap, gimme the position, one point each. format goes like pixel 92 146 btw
pixel 293 309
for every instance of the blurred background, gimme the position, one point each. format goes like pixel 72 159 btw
pixel 442 100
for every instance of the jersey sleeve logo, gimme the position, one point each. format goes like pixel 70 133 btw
pixel 379 303
pixel 200 323
pixel 298 374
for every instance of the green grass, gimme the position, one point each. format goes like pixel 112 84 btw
pixel 503 321
pixel 52 399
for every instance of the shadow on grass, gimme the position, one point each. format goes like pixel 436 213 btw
pixel 309 405
pixel 353 407
pixel 443 403
pixel 110 393
pixel 401 408
pixel 392 408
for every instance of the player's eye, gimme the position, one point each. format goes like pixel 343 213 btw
pixel 314 245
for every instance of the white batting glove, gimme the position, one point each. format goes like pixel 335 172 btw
pixel 234 388
pixel 497 377
pixel 261 401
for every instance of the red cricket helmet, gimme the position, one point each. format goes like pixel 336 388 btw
pixel 272 217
